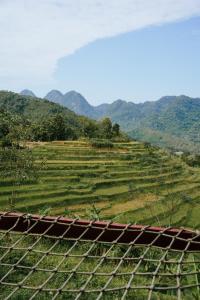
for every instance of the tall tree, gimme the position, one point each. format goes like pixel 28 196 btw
pixel 16 160
pixel 106 128
pixel 116 129
pixel 90 128
pixel 58 128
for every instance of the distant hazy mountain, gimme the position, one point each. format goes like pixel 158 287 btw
pixel 74 101
pixel 55 96
pixel 78 104
pixel 172 121
pixel 27 92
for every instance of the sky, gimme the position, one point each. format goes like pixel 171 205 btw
pixel 136 50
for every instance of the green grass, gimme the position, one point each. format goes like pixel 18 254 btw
pixel 76 176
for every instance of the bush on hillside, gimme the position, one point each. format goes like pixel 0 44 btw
pixel 98 143
pixel 122 138
pixel 191 160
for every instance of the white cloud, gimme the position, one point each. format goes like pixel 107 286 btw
pixel 34 34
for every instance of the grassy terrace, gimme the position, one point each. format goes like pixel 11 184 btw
pixel 128 183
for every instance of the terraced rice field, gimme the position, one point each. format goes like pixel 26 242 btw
pixel 130 182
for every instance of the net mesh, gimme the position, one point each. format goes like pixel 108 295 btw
pixel 57 258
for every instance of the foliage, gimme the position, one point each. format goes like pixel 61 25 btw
pixel 164 140
pixel 12 126
pixel 169 122
pixel 94 212
pixel 90 128
pixel 52 128
pixel 17 163
pixel 106 128
pixel 116 129
pixel 42 114
pixel 191 159
pixel 100 143
pixel 48 121
pixel 16 160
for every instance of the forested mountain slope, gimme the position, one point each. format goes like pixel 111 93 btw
pixel 34 108
pixel 47 120
pixel 172 121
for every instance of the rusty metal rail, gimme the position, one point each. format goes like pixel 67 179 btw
pixel 178 239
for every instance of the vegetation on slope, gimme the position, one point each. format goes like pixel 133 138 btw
pixel 171 122
pixel 50 121
pixel 165 140
pixel 130 182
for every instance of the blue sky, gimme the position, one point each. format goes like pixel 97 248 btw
pixel 135 50
pixel 138 66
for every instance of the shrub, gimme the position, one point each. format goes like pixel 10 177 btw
pixel 97 143
pixel 191 160
pixel 6 142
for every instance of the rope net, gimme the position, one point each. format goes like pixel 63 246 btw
pixel 57 258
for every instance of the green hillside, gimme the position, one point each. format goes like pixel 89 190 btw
pixel 175 124
pixel 35 109
pixel 47 121
pixel 170 122
pixel 132 182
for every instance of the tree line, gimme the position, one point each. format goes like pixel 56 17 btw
pixel 54 128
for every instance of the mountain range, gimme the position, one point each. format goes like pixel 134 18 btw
pixel 172 121
pixel 74 101
pixel 27 92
